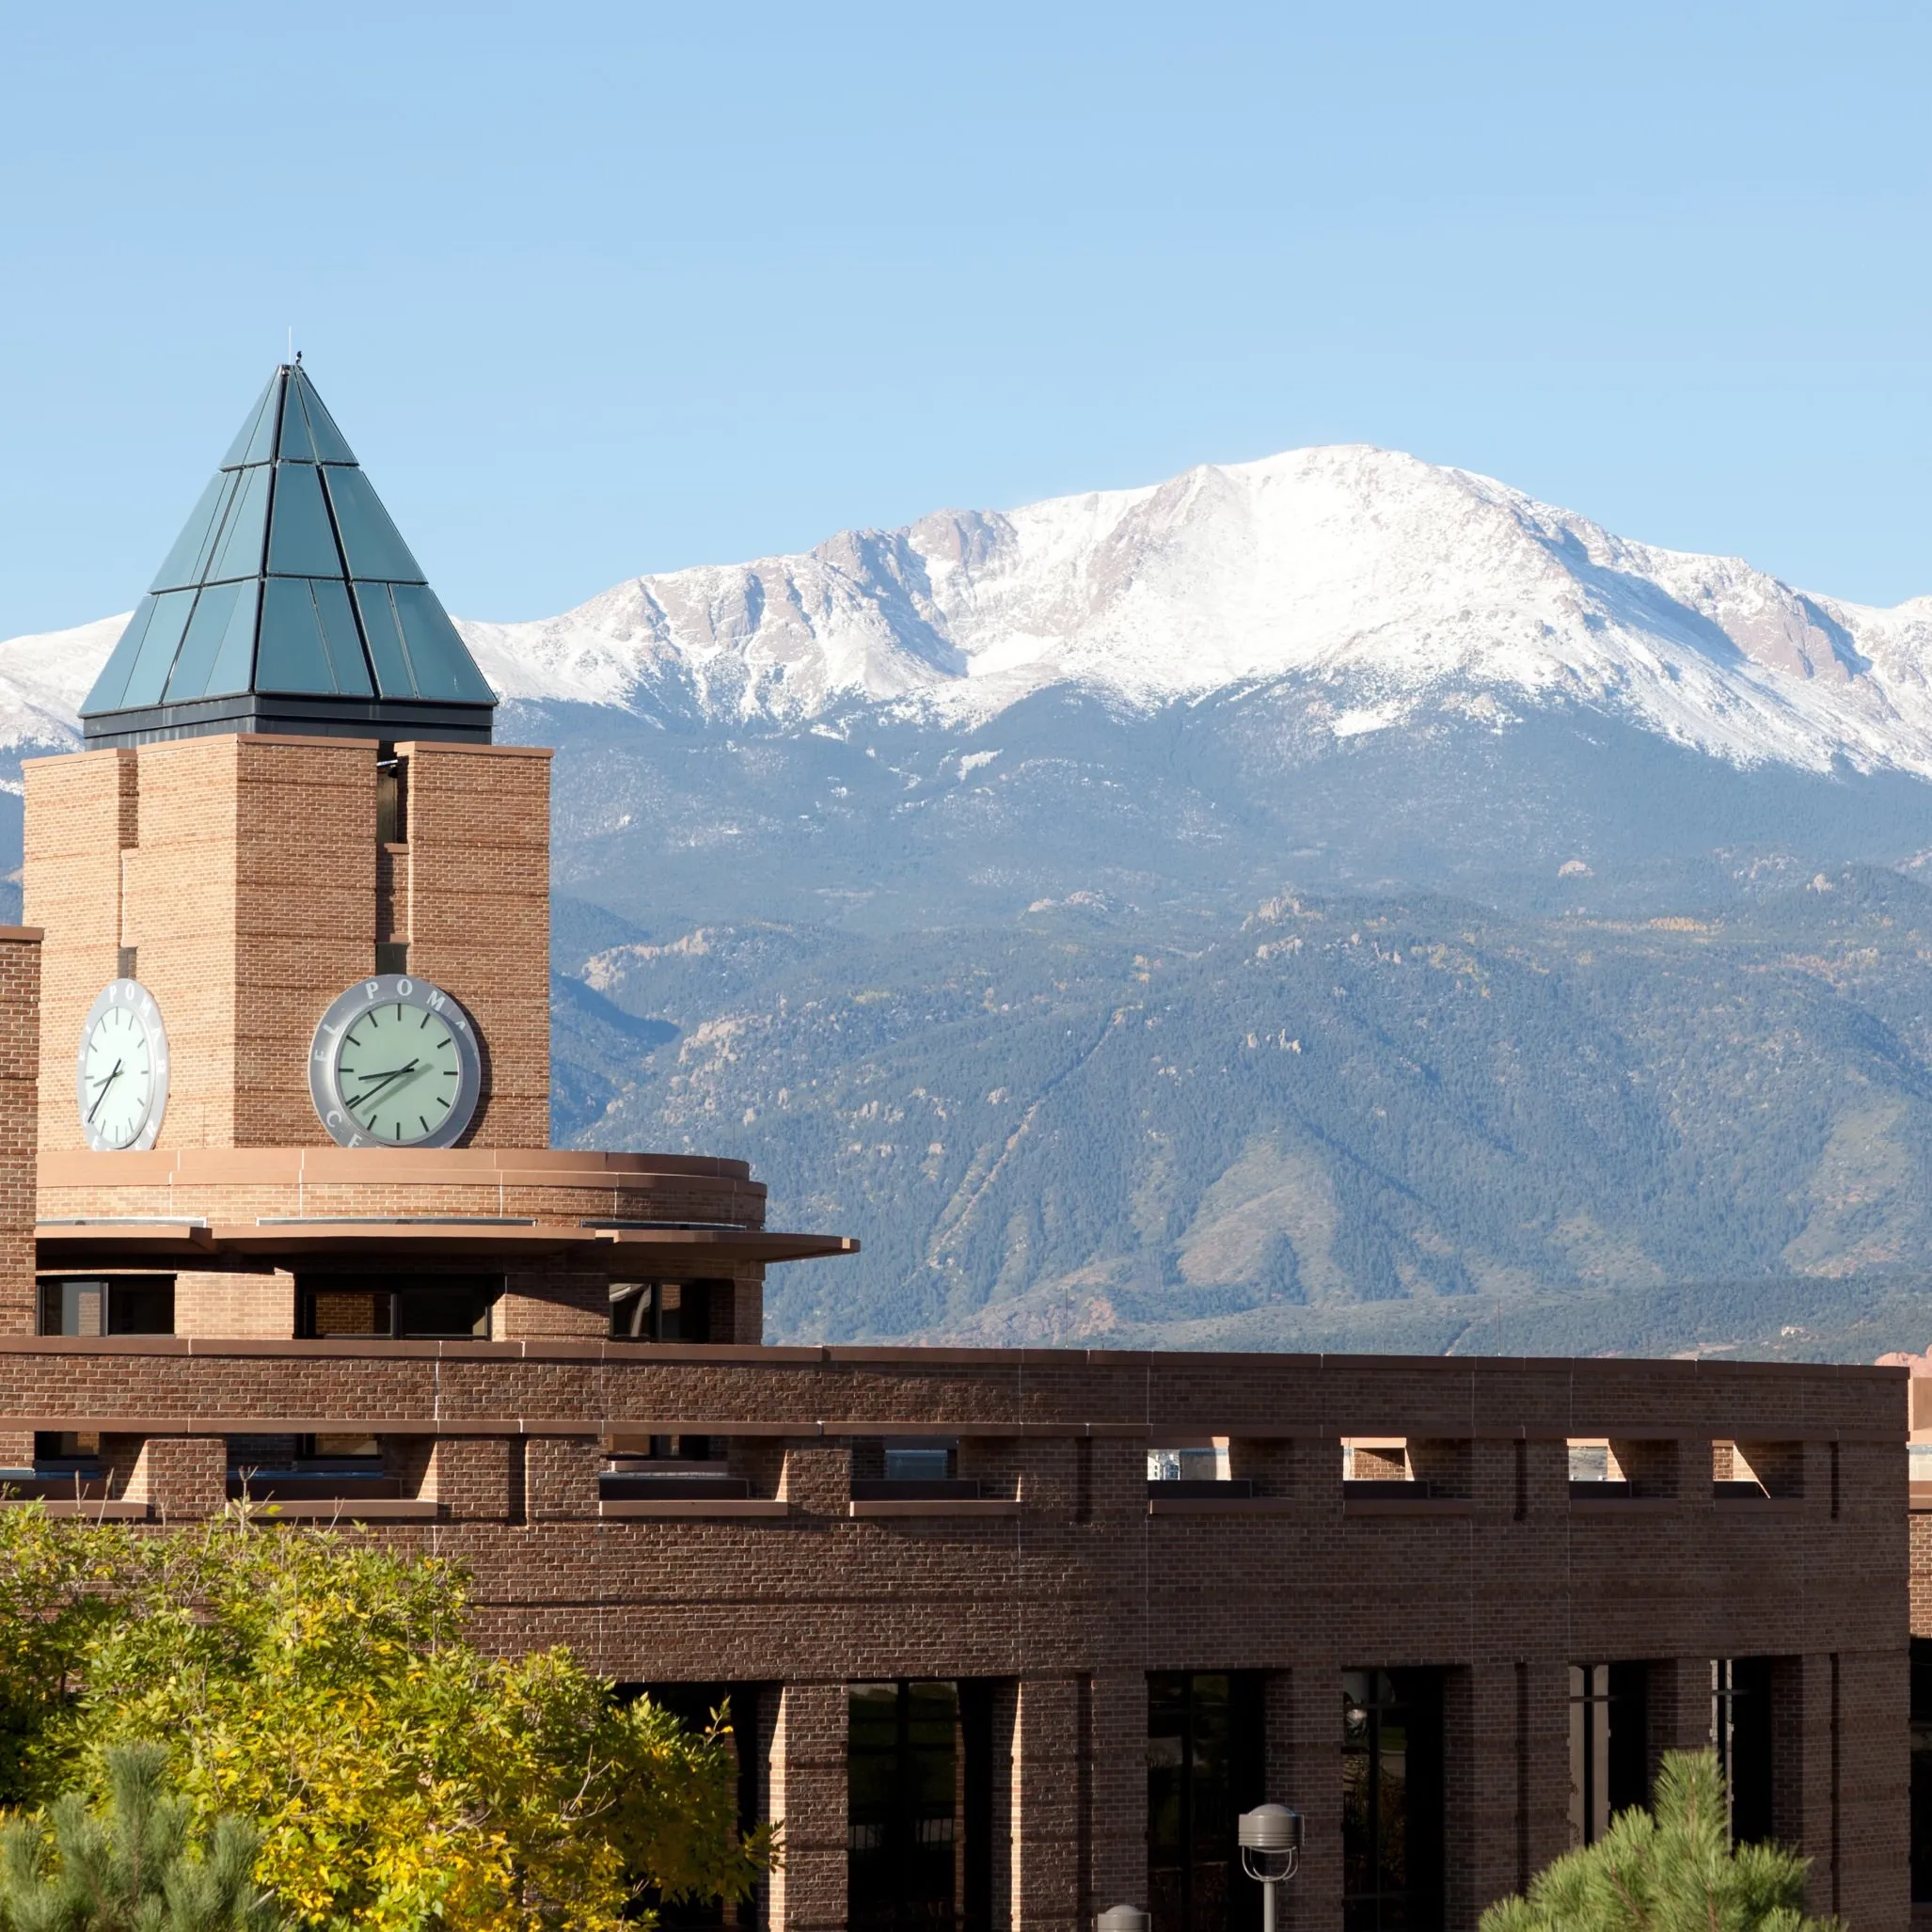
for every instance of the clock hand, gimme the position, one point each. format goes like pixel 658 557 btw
pixel 105 1085
pixel 381 1081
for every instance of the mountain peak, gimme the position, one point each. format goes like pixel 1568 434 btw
pixel 1394 590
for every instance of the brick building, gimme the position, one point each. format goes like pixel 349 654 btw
pixel 1008 1636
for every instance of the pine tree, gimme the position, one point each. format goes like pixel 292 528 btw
pixel 1673 1872
pixel 132 1866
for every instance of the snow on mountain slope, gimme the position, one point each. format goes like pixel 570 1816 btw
pixel 1395 590
pixel 45 676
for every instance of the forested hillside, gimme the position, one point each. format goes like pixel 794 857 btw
pixel 1339 1121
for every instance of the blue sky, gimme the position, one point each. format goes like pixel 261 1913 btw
pixel 595 290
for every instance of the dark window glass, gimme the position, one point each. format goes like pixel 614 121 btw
pixel 1204 1770
pixel 373 545
pixel 1391 1801
pixel 344 1306
pixel 238 551
pixel 185 561
pixel 290 657
pixel 1741 1723
pixel 134 1304
pixel 148 678
pixel 294 446
pixel 201 644
pixel 346 661
pixel 662 1311
pixel 252 442
pixel 905 1851
pixel 438 660
pixel 234 661
pixel 385 639
pixel 1921 1770
pixel 300 542
pixel 330 447
pixel 1609 1746
pixel 113 680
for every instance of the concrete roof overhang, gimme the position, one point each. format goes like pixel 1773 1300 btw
pixel 260 1246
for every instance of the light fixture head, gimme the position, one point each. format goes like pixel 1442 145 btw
pixel 1271 1828
pixel 1124 1917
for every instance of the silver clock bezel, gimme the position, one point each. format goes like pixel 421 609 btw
pixel 324 1053
pixel 131 996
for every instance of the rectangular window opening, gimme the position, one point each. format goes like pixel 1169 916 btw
pixel 919 1779
pixel 363 1307
pixel 1609 1742
pixel 1205 1768
pixel 107 1304
pixel 1743 1734
pixel 1392 1801
pixel 661 1310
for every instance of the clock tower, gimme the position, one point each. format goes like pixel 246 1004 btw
pixel 289 794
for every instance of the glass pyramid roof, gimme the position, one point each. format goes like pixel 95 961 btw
pixel 289 578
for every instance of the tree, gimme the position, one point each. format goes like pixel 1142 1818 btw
pixel 325 1690
pixel 1673 1872
pixel 136 1866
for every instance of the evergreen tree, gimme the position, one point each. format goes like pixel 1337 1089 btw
pixel 1673 1872
pixel 133 1865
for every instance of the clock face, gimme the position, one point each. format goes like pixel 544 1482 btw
pixel 121 1076
pixel 395 1064
pixel 398 1072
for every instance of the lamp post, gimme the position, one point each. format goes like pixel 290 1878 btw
pixel 1271 1849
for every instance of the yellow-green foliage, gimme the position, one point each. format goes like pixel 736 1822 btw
pixel 327 1691
pixel 1673 1872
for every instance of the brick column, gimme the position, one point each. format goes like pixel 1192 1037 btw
pixel 805 1786
pixel 1313 1746
pixel 560 1476
pixel 1679 1696
pixel 817 1479
pixel 20 1061
pixel 1499 1718
pixel 177 1476
pixel 257 1307
pixel 1116 1783
pixel 1037 1799
pixel 1869 1767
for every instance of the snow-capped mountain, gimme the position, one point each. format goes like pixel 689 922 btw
pixel 1394 590
pixel 1404 586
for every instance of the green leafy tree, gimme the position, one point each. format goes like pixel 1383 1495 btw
pixel 136 1864
pixel 325 1690
pixel 1673 1872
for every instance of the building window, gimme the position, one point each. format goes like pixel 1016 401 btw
pixel 1204 1770
pixel 358 1307
pixel 1741 1729
pixel 919 1806
pixel 1610 1769
pixel 116 1305
pixel 1391 1801
pixel 660 1311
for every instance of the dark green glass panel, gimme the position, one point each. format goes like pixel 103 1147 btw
pixel 330 446
pixel 351 672
pixel 254 441
pixel 293 445
pixel 438 658
pixel 234 663
pixel 300 542
pixel 374 546
pixel 184 563
pixel 385 640
pixel 238 552
pixel 202 642
pixel 148 678
pixel 113 680
pixel 290 657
